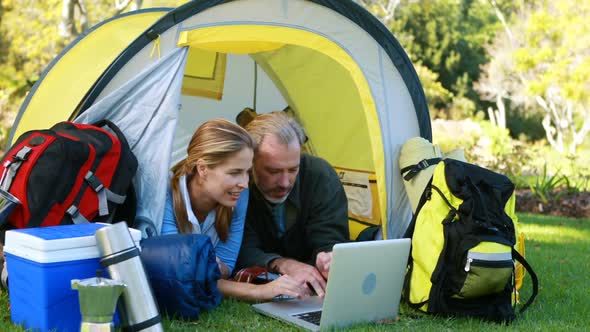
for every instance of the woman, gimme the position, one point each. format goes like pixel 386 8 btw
pixel 213 179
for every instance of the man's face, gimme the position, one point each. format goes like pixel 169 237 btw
pixel 275 168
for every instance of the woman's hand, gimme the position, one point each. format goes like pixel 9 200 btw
pixel 223 268
pixel 284 285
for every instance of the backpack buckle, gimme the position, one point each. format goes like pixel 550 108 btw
pixel 93 181
pixel 22 154
pixel 77 217
pixel 423 164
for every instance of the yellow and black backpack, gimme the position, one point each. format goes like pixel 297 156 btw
pixel 463 234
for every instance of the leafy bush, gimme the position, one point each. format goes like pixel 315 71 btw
pixel 545 186
pixel 579 172
pixel 485 145
pixel 525 126
pixel 449 134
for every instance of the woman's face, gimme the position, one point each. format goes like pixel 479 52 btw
pixel 226 181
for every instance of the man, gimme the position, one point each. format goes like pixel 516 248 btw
pixel 297 208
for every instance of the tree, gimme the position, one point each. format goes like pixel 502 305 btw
pixel 436 95
pixel 446 38
pixel 72 9
pixel 29 42
pixel 544 64
pixel 67 27
pixel 32 33
pixel 449 38
pixel 382 9
pixel 555 62
pixel 121 5
pixel 4 98
pixel 497 79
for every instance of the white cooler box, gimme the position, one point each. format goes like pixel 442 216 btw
pixel 41 262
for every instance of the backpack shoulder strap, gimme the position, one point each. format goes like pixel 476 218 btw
pixel 114 128
pixel 127 211
pixel 533 275
pixel 409 172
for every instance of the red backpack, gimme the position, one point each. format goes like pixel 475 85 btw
pixel 70 173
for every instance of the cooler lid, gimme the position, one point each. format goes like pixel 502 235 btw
pixel 57 243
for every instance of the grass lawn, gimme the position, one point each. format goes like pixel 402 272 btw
pixel 557 248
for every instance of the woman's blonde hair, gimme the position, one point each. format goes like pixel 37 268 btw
pixel 213 142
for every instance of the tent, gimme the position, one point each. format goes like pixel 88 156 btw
pixel 159 73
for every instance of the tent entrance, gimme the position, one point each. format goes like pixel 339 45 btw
pixel 313 76
pixel 316 78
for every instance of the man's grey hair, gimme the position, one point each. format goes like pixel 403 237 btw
pixel 277 123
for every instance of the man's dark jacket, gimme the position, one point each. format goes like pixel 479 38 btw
pixel 321 218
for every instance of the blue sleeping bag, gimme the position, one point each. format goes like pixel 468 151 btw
pixel 183 273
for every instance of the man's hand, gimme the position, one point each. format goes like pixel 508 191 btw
pixel 322 263
pixel 301 272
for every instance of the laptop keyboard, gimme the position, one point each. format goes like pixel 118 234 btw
pixel 310 317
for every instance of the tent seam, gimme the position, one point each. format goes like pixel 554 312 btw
pixel 385 145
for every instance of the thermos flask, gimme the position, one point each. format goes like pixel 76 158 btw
pixel 120 256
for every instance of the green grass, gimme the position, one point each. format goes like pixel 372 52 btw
pixel 557 248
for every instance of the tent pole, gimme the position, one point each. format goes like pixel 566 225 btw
pixel 255 84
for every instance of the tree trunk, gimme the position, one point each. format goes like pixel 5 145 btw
pixel 67 27
pixel 500 113
pixel 500 17
pixel 389 10
pixel 492 116
pixel 554 134
pixel 121 5
pixel 83 15
pixel 579 135
pixel 386 10
pixel 136 4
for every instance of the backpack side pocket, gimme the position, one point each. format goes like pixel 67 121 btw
pixel 488 269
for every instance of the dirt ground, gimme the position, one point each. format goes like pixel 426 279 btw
pixel 563 203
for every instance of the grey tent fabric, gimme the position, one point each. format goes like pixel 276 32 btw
pixel 146 109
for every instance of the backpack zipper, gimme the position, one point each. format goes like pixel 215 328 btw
pixel 488 259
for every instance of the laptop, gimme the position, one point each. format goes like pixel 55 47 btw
pixel 365 285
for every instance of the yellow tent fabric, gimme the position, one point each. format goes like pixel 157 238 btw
pixel 77 70
pixel 318 90
pixel 331 84
pixel 363 200
pixel 204 74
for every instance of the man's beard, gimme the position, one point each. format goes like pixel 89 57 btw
pixel 274 200
pixel 270 199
